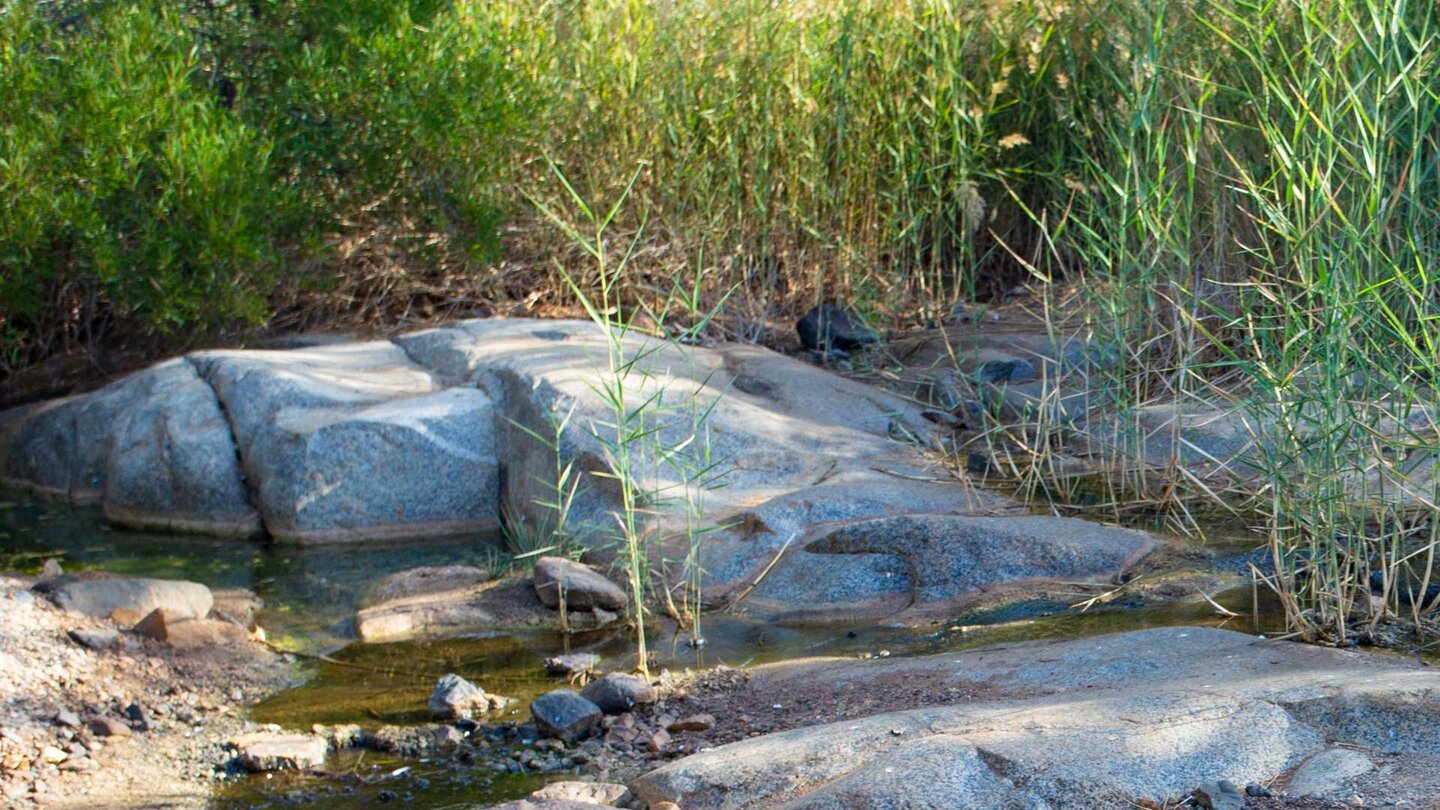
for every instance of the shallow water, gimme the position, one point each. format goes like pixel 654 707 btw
pixel 311 595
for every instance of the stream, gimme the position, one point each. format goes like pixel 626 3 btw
pixel 311 594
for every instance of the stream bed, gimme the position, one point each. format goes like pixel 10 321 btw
pixel 311 594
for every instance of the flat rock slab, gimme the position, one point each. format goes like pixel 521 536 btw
pixel 951 557
pixel 449 600
pixel 102 597
pixel 263 752
pixel 1087 723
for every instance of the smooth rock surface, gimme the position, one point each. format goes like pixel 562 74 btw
pixel 603 793
pixel 153 448
pixel 582 587
pixel 101 597
pixel 355 442
pixel 1326 774
pixel 950 557
pixel 1095 722
pixel 433 599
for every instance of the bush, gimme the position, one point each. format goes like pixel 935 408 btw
pixel 165 166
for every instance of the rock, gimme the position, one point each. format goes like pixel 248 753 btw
pixel 825 327
pixel 951 557
pixel 545 804
pixel 1005 371
pixel 664 806
pixel 1325 774
pixel 618 692
pixel 52 755
pixel 96 640
pixel 564 715
pixel 264 752
pixel 604 793
pixel 137 715
pixel 154 448
pixel 1089 722
pixel 51 569
pixel 657 742
pixel 67 719
pixel 356 442
pixel 1257 791
pixel 696 722
pixel 1218 795
pixel 187 633
pixel 454 697
pixel 424 601
pixel 237 606
pixel 108 727
pixel 101 597
pixel 572 663
pixel 581 586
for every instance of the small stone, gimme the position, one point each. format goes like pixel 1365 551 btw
pixel 603 793
pixel 828 327
pixel 618 692
pixel 96 640
pixel 67 719
pixel 108 727
pixel 1257 791
pixel 664 806
pixel 77 764
pixel 51 569
pixel 52 755
pixel 454 698
pixel 658 741
pixel 137 716
pixel 266 751
pixel 1218 795
pixel 564 715
pixel 695 722
pixel 572 663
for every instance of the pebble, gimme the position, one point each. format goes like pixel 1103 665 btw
pixel 108 727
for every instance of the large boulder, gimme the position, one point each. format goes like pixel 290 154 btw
pixel 1097 722
pixel 355 442
pixel 153 448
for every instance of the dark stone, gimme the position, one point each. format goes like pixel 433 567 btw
pixel 827 327
pixel 564 715
pixel 1005 371
pixel 1258 791
pixel 138 717
pixel 96 640
pixel 618 693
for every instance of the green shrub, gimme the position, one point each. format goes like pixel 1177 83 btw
pixel 128 193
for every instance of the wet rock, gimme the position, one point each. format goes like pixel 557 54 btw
pixel 696 722
pixel 108 727
pixel 1326 774
pixel 101 597
pixel 604 793
pixel 564 715
pixel 96 640
pixel 825 327
pixel 264 752
pixel 454 697
pixel 1218 795
pixel 355 441
pixel 618 692
pixel 582 587
pixel 571 663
